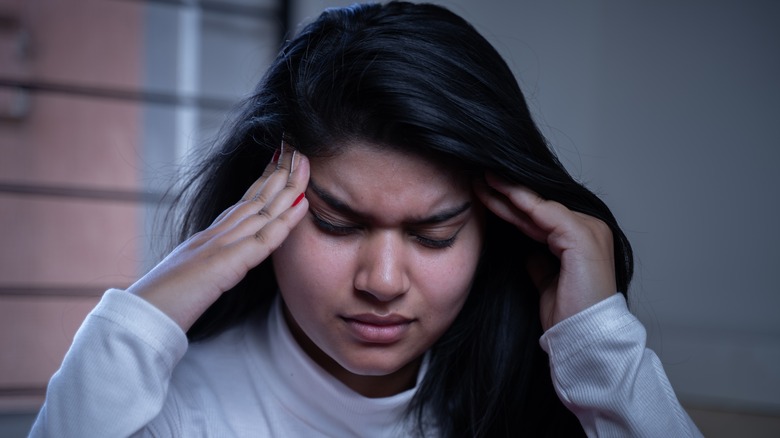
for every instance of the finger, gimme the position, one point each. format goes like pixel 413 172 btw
pixel 503 207
pixel 254 188
pixel 551 217
pixel 279 177
pixel 253 248
pixel 272 166
pixel 256 199
pixel 521 197
pixel 251 220
pixel 294 186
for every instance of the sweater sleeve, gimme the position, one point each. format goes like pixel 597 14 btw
pixel 114 378
pixel 605 375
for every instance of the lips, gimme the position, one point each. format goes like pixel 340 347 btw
pixel 375 329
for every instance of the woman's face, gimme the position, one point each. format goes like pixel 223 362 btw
pixel 380 266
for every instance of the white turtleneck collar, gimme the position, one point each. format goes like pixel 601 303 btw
pixel 317 398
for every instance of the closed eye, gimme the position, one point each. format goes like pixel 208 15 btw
pixel 436 243
pixel 345 229
pixel 331 228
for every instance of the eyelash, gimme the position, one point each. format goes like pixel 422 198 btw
pixel 331 228
pixel 344 231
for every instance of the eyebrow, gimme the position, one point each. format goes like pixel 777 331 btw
pixel 341 207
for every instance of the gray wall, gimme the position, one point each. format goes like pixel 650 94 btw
pixel 670 111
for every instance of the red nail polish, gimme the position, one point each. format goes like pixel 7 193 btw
pixel 298 200
pixel 275 159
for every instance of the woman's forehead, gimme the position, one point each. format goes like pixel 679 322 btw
pixel 373 164
pixel 366 176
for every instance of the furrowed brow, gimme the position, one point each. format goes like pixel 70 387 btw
pixel 333 202
pixel 440 217
pixel 341 207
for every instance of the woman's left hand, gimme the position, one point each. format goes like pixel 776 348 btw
pixel 582 244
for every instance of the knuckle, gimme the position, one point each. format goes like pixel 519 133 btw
pixel 290 184
pixel 601 231
pixel 260 198
pixel 264 214
pixel 261 237
pixel 201 237
pixel 600 227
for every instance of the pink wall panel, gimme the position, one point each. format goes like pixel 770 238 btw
pixel 65 140
pixel 96 43
pixel 66 242
pixel 73 141
pixel 37 335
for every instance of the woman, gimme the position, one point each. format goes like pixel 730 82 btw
pixel 390 273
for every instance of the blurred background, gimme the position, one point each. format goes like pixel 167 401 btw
pixel 669 110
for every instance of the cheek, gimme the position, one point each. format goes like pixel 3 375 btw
pixel 447 281
pixel 446 290
pixel 304 266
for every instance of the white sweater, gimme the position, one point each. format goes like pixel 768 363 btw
pixel 130 372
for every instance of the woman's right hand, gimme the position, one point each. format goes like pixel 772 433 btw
pixel 214 260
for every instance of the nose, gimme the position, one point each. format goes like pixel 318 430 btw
pixel 383 266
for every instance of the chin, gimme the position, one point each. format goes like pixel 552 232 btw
pixel 376 365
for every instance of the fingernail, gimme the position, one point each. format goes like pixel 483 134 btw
pixel 292 161
pixel 275 159
pixel 298 200
pixel 281 152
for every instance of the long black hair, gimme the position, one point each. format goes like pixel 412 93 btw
pixel 419 78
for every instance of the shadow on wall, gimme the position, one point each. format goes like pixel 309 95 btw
pixel 721 424
pixel 16 425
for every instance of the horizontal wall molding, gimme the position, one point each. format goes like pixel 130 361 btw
pixel 33 391
pixel 52 291
pixel 86 193
pixel 136 96
pixel 220 7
